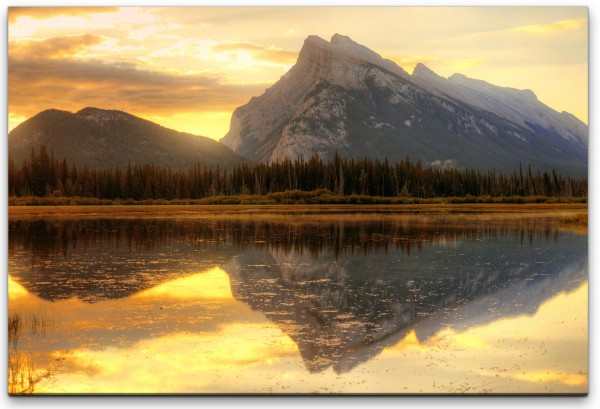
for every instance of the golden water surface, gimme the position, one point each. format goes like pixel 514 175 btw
pixel 198 332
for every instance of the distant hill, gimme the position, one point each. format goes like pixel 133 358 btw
pixel 99 138
pixel 341 97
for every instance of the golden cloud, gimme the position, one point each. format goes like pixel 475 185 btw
pixel 241 53
pixel 234 358
pixel 258 51
pixel 40 13
pixel 551 28
pixel 56 47
pixel 37 84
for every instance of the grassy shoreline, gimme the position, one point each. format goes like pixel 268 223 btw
pixel 545 208
pixel 564 216
pixel 291 198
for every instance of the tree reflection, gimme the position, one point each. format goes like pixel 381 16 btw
pixel 45 238
pixel 112 258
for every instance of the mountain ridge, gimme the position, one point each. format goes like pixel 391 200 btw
pixel 100 138
pixel 340 97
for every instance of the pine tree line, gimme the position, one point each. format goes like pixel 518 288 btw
pixel 43 175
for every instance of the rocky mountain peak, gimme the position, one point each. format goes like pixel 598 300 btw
pixel 421 70
pixel 313 40
pixel 343 47
pixel 346 45
pixel 341 39
pixel 527 93
pixel 352 48
pixel 342 97
pixel 481 85
pixel 315 52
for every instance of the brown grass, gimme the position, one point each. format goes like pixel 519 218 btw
pixel 572 217
pixel 572 211
pixel 576 222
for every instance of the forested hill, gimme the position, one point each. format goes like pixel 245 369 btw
pixel 99 138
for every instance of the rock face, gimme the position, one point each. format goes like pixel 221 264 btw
pixel 518 106
pixel 342 97
pixel 99 138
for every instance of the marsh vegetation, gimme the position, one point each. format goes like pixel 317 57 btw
pixel 29 326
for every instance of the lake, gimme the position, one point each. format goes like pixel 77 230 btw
pixel 406 303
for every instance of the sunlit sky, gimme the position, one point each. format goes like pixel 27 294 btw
pixel 189 68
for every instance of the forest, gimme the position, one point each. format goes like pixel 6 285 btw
pixel 43 175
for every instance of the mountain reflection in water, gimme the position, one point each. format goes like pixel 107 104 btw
pixel 342 288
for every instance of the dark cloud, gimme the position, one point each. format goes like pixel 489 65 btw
pixel 39 13
pixel 37 84
pixel 52 47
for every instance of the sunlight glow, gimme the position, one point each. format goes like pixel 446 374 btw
pixel 572 379
pixel 551 28
pixel 14 120
pixel 521 348
pixel 15 290
pixel 210 284
pixel 211 124
pixel 410 341
pixel 227 47
pixel 179 362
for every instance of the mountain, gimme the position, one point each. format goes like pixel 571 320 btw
pixel 342 97
pixel 88 247
pixel 99 138
pixel 518 106
pixel 342 310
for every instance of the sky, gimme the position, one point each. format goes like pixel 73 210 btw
pixel 188 68
pixel 552 97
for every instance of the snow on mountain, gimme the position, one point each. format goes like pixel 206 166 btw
pixel 519 106
pixel 341 97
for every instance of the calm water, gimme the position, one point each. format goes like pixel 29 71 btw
pixel 297 304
